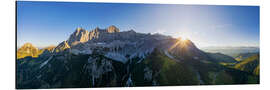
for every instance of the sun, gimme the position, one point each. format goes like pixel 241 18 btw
pixel 181 42
pixel 183 38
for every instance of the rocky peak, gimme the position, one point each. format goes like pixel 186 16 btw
pixel 131 30
pixel 28 45
pixel 80 35
pixel 27 50
pixel 79 30
pixel 184 48
pixel 97 29
pixel 112 29
pixel 62 46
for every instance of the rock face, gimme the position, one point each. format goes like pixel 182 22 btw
pixel 80 35
pixel 62 46
pixel 112 29
pixel 184 49
pixel 47 52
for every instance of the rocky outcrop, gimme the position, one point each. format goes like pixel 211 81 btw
pixel 28 50
pixel 61 47
pixel 80 35
pixel 112 29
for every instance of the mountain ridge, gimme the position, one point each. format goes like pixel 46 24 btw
pixel 120 45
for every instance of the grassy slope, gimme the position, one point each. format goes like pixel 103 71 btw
pixel 166 71
pixel 169 72
pixel 250 64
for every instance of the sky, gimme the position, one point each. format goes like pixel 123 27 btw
pixel 49 23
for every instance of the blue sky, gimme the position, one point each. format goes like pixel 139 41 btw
pixel 49 23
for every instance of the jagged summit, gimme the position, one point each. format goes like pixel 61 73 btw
pixel 112 29
pixel 184 48
pixel 122 46
pixel 79 29
pixel 96 29
pixel 62 46
pixel 81 35
pixel 27 45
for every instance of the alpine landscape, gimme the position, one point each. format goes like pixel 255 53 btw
pixel 90 45
pixel 109 57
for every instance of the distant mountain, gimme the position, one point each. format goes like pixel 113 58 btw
pixel 250 64
pixel 28 50
pixel 243 56
pixel 222 58
pixel 108 57
pixel 231 51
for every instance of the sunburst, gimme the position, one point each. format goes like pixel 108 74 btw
pixel 181 42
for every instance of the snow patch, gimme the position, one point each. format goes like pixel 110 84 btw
pixel 147 74
pixel 142 54
pixel 116 56
pixel 199 77
pixel 44 63
pixel 129 82
pixel 169 55
pixel 100 43
pixel 140 61
pixel 77 52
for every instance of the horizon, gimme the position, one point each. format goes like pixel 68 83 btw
pixel 49 23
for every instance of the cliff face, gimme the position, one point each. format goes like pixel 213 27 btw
pixel 81 35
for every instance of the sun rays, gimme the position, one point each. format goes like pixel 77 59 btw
pixel 181 43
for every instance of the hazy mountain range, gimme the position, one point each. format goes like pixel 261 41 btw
pixel 232 51
pixel 109 57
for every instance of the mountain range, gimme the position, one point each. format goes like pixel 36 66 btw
pixel 111 58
